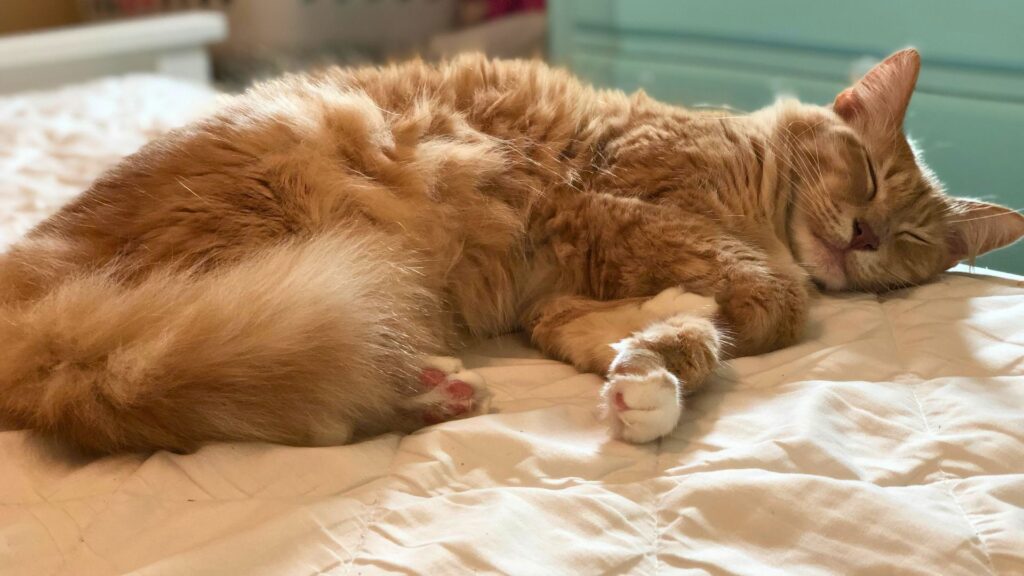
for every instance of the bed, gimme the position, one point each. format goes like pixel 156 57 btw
pixel 890 441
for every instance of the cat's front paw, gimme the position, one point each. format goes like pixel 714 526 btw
pixel 640 408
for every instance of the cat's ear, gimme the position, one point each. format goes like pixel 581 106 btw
pixel 881 97
pixel 978 227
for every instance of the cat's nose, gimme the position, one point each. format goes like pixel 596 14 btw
pixel 864 238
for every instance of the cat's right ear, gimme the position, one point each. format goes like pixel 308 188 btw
pixel 978 227
pixel 881 97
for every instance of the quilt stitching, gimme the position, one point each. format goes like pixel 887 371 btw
pixel 374 510
pixel 659 501
pixel 106 507
pixel 912 381
pixel 951 480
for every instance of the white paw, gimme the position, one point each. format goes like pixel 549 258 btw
pixel 450 391
pixel 675 301
pixel 641 408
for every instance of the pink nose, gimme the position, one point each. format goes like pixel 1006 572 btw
pixel 864 238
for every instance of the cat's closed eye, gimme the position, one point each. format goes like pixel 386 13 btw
pixel 913 237
pixel 872 178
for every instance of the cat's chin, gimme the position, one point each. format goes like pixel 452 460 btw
pixel 830 284
pixel 825 263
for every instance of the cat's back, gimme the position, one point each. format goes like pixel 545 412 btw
pixel 446 157
pixel 489 93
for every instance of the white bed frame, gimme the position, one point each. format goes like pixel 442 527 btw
pixel 171 45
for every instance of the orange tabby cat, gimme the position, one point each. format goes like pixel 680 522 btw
pixel 287 269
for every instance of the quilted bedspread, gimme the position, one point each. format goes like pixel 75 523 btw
pixel 891 441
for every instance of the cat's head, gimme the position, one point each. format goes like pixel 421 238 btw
pixel 867 214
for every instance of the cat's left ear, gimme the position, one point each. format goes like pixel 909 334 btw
pixel 978 227
pixel 881 97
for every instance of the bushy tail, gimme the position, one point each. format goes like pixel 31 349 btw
pixel 300 344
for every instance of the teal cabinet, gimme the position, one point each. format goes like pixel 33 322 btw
pixel 967 114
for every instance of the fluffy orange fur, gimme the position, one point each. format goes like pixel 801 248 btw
pixel 280 270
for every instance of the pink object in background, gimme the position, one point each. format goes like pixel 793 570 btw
pixel 501 7
pixel 132 7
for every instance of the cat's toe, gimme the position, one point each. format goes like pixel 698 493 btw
pixel 642 408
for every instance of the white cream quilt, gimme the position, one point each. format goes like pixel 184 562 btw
pixel 890 442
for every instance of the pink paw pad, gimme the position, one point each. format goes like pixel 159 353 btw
pixel 448 395
pixel 459 390
pixel 432 378
pixel 620 402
